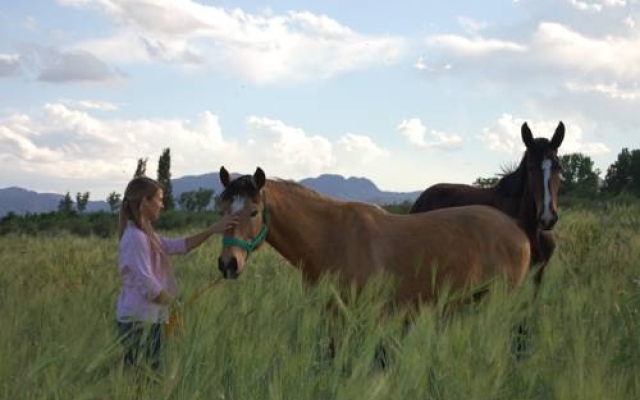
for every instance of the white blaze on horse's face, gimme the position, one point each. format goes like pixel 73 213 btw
pixel 547 214
pixel 237 204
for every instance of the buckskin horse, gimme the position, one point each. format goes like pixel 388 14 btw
pixel 529 194
pixel 460 249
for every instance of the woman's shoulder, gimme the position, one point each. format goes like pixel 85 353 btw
pixel 133 234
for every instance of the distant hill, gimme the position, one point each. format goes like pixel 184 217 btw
pixel 22 201
pixel 361 189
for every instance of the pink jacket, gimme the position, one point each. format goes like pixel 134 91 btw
pixel 144 276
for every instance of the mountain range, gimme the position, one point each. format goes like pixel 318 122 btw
pixel 21 201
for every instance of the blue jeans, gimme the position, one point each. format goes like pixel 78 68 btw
pixel 142 343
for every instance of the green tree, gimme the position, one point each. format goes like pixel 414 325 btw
pixel 485 182
pixel 187 201
pixel 66 204
pixel 578 175
pixel 624 174
pixel 141 169
pixel 203 198
pixel 82 199
pixel 114 201
pixel 164 177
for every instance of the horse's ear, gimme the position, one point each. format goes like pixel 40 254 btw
pixel 527 136
pixel 558 136
pixel 225 179
pixel 259 178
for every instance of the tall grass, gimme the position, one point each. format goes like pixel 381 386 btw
pixel 266 335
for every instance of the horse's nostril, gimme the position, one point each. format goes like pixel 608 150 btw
pixel 230 269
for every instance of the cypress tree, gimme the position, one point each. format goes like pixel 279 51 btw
pixel 164 177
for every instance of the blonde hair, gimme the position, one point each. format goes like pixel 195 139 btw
pixel 139 188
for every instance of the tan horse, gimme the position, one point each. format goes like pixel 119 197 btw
pixel 462 248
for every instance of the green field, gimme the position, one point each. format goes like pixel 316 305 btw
pixel 265 335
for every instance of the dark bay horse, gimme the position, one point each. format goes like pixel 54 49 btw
pixel 460 248
pixel 529 194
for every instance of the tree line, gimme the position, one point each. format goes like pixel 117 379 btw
pixel 580 179
pixel 581 183
pixel 192 201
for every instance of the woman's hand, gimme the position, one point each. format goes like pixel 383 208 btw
pixel 163 298
pixel 224 223
pixel 228 221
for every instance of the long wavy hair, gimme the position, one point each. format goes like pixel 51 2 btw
pixel 139 188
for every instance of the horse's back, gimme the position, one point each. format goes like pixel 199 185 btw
pixel 480 242
pixel 444 195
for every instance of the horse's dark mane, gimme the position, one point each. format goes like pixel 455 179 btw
pixel 243 185
pixel 512 182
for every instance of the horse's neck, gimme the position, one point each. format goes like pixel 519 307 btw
pixel 297 224
pixel 513 195
pixel 528 216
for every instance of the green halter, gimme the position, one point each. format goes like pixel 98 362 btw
pixel 247 246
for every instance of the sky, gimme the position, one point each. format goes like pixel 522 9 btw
pixel 406 93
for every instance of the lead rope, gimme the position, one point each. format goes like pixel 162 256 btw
pixel 176 317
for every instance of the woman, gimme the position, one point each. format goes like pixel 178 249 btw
pixel 148 283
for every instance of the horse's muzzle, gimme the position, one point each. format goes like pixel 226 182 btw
pixel 229 270
pixel 547 224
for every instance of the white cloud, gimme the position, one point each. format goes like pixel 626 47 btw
pixel 596 6
pixel 69 143
pixel 263 48
pixel 30 23
pixel 445 141
pixel 57 66
pixel 561 47
pixel 291 152
pixel 504 136
pixel 74 3
pixel 611 90
pixel 421 65
pixel 415 131
pixel 359 148
pixel 9 64
pixel 91 105
pixel 470 25
pixel 290 147
pixel 553 53
pixel 13 143
pixel 630 22
pixel 475 46
pixel 74 140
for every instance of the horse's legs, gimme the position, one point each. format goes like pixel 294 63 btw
pixel 542 248
pixel 546 246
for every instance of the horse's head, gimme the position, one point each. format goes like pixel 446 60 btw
pixel 242 196
pixel 544 170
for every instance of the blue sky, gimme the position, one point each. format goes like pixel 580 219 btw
pixel 405 93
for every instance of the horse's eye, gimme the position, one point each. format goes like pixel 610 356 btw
pixel 254 213
pixel 556 166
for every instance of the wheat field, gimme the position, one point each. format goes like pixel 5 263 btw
pixel 265 336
